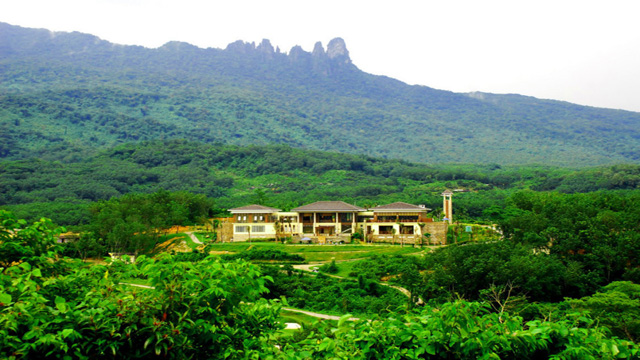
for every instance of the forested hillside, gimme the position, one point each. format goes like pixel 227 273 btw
pixel 65 96
pixel 280 176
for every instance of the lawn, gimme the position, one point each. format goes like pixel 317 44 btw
pixel 322 253
pixel 287 316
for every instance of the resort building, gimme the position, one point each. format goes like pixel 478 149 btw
pixel 255 221
pixel 327 218
pixel 336 221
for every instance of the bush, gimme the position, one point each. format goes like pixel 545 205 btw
pixel 330 268
pixel 265 255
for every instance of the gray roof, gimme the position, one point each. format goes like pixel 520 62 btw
pixel 399 206
pixel 447 192
pixel 337 206
pixel 254 208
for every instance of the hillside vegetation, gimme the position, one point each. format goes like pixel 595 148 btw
pixel 280 176
pixel 64 96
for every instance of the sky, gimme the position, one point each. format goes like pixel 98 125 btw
pixel 585 52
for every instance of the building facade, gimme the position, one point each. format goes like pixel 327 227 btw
pixel 336 221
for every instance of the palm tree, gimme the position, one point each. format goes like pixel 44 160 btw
pixel 393 232
pixel 278 227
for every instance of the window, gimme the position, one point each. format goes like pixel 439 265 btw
pixel 241 229
pixel 257 229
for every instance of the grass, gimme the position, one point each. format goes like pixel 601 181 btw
pixel 345 268
pixel 323 253
pixel 287 316
pixel 204 237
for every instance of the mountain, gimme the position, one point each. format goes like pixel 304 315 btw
pixel 64 96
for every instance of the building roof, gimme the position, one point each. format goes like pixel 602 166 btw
pixel 253 209
pixel 400 206
pixel 447 192
pixel 319 206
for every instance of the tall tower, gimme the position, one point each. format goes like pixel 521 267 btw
pixel 446 206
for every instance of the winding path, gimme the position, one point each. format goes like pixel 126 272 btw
pixel 318 315
pixel 307 267
pixel 310 313
pixel 193 237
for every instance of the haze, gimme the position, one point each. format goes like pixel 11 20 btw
pixel 585 52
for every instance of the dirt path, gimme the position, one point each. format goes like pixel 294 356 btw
pixel 307 267
pixel 193 237
pixel 318 315
pixel 310 313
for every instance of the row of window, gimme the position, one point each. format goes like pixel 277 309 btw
pixel 254 228
pixel 256 218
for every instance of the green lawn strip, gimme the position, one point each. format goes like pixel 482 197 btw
pixel 321 253
pixel 242 246
pixel 340 253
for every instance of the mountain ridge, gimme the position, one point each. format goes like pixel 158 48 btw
pixel 255 94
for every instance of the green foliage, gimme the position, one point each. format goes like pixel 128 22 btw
pixel 330 268
pixel 468 269
pixel 65 97
pixel 461 330
pixel 329 294
pixel 133 222
pixel 21 242
pixel 207 309
pixel 381 266
pixel 234 175
pixel 596 234
pixel 617 306
pixel 86 246
pixel 265 254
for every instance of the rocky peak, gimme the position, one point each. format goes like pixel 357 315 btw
pixel 318 50
pixel 337 50
pixel 241 47
pixel 296 53
pixel 266 49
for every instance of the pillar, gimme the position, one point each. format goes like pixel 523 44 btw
pixel 446 205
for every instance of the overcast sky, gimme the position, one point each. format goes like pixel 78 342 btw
pixel 586 52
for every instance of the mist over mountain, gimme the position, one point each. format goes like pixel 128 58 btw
pixel 67 95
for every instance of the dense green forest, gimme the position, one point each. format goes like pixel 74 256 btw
pixel 57 307
pixel 279 176
pixel 64 97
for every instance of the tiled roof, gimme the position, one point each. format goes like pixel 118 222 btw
pixel 254 208
pixel 399 206
pixel 328 206
pixel 447 192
